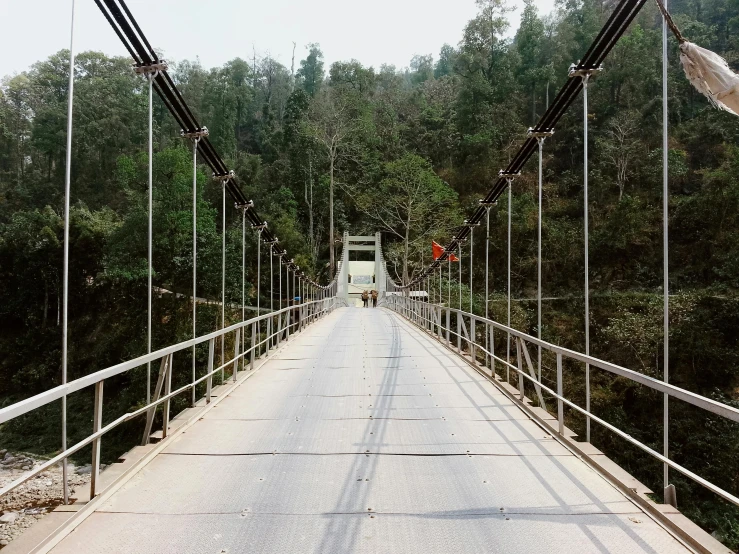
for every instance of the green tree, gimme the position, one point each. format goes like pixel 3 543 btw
pixel 310 73
pixel 333 127
pixel 411 203
pixel 529 41
pixel 445 64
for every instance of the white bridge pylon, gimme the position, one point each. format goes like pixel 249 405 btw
pixel 354 277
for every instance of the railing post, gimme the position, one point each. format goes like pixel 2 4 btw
pixel 253 343
pixel 97 423
pixel 560 404
pixel 491 333
pixel 236 352
pixel 520 369
pixel 157 393
pixel 167 391
pixel 209 380
pixel 268 325
pixel 536 382
pixel 459 331
pixel 448 325
pixel 288 317
pixel 473 337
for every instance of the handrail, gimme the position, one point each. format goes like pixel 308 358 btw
pixel 308 311
pixel 41 399
pixel 409 308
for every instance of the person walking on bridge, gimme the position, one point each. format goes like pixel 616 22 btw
pixel 374 298
pixel 365 298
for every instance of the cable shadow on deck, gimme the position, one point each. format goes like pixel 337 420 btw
pixel 444 352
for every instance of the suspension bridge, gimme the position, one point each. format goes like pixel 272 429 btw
pixel 316 426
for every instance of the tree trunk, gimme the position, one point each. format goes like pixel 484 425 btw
pixel 331 215
pixel 292 71
pixel 46 304
pixel 238 124
pixel 310 199
pixel 405 252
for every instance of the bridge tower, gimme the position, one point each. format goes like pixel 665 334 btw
pixel 353 277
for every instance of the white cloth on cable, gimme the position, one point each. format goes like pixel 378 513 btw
pixel 711 75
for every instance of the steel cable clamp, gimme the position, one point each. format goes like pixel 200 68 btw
pixel 539 135
pixel 154 68
pixel 245 206
pixel 585 73
pixel 224 177
pixel 197 134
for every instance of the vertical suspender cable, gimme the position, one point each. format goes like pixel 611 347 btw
pixel 538 257
pixel 65 271
pixel 440 300
pixel 460 276
pixel 508 287
pixel 665 243
pixel 194 252
pixel 449 280
pixel 287 299
pixel 243 287
pixel 150 78
pixel 279 271
pixel 271 279
pixel 223 274
pixel 259 268
pixel 271 292
pixel 586 218
pixel 487 289
pixel 472 232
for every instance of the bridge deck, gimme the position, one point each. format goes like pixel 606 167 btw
pixel 365 435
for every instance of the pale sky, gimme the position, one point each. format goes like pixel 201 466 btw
pixel 215 31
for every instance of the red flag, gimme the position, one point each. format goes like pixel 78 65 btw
pixel 438 251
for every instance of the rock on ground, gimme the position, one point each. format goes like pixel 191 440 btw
pixel 23 506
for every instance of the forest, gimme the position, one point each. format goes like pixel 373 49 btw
pixel 364 143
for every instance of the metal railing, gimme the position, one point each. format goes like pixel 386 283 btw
pixel 266 333
pixel 437 320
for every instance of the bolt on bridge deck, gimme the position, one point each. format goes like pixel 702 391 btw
pixel 363 434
